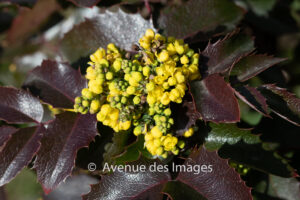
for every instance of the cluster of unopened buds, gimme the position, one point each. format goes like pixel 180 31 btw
pixel 136 91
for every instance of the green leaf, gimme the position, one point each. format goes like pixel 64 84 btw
pixel 261 7
pixel 133 151
pixel 256 156
pixel 199 16
pixel 116 147
pixel 228 133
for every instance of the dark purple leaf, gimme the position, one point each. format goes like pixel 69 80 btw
pixel 19 151
pixel 199 16
pixel 18 106
pixel 131 185
pixel 220 56
pixel 253 98
pixel 55 83
pixel 252 65
pixel 63 138
pixel 6 133
pixel 28 20
pixel 215 100
pixel 223 182
pixel 185 116
pixel 85 3
pixel 111 26
pixel 282 103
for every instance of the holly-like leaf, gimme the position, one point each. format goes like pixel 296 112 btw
pixel 252 65
pixel 256 156
pixel 55 83
pixel 19 151
pixel 6 133
pixel 18 106
pixel 63 138
pixel 85 3
pixel 132 152
pixel 116 147
pixel 228 133
pixel 111 26
pixel 132 184
pixel 253 98
pixel 223 54
pixel 222 182
pixel 29 20
pixel 285 188
pixel 185 116
pixel 282 103
pixel 215 99
pixel 199 16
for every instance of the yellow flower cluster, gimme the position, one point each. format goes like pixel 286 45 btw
pixel 136 90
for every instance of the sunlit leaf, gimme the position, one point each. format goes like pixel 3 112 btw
pixel 19 106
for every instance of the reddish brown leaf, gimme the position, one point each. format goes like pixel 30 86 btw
pixel 131 185
pixel 5 133
pixel 282 103
pixel 112 26
pixel 223 54
pixel 199 16
pixel 19 151
pixel 252 65
pixel 215 100
pixel 85 3
pixel 63 138
pixel 253 98
pixel 223 182
pixel 55 83
pixel 18 106
pixel 29 20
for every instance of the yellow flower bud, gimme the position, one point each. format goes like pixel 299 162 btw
pixel 146 71
pixel 117 65
pixel 163 56
pixel 95 105
pixel 137 131
pixel 172 81
pixel 155 131
pixel 159 151
pixel 189 133
pixel 184 60
pixel 151 99
pixel 150 86
pixel 149 33
pixel 137 76
pixel 131 90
